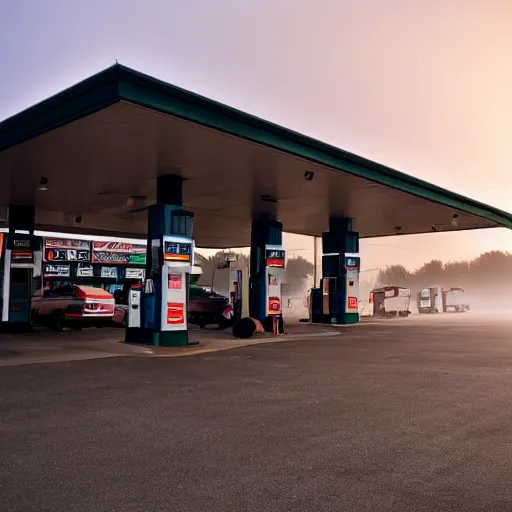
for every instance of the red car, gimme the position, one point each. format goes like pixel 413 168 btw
pixel 74 306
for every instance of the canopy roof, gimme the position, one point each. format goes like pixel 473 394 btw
pixel 103 142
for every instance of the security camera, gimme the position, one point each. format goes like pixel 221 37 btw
pixel 78 219
pixel 309 175
pixel 455 221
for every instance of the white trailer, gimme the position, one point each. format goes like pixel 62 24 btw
pixel 391 301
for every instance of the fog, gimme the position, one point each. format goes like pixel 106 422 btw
pixel 485 276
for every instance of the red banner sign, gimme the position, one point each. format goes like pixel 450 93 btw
pixel 275 262
pixel 352 303
pixel 274 305
pixel 175 313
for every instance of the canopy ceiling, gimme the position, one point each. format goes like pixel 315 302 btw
pixel 103 142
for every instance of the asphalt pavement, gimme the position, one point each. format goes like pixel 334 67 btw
pixel 406 415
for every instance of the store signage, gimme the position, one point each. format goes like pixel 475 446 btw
pixel 135 273
pixel 68 250
pixel 84 270
pixel 22 257
pixel 109 272
pixel 118 252
pixel 138 258
pixel 66 243
pixel 21 249
pixel 56 271
pixel 21 243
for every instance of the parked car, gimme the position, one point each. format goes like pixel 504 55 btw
pixel 205 307
pixel 74 306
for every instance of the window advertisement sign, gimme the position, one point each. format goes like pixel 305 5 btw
pixel 66 250
pixel 109 272
pixel 84 270
pixel 56 270
pixel 135 273
pixel 120 253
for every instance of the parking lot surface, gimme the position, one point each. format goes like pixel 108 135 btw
pixel 405 415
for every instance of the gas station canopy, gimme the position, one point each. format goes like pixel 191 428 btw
pixel 102 143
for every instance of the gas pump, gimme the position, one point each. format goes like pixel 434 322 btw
pixel 337 299
pixel 134 310
pixel 178 261
pixel 235 292
pixel 352 268
pixel 229 282
pixel 268 268
pixel 275 264
pixel 159 314
pixel 21 276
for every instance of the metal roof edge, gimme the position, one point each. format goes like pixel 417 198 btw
pixel 119 82
pixel 157 95
pixel 86 97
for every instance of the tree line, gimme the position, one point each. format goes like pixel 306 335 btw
pixel 487 275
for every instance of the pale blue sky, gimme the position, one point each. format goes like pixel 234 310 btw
pixel 421 86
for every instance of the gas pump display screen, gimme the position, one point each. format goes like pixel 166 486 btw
pixel 351 262
pixel 177 251
pixel 275 258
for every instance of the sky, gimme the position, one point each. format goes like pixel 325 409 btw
pixel 423 87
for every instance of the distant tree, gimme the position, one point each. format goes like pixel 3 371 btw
pixel 217 261
pixel 393 275
pixel 298 268
pixel 431 271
